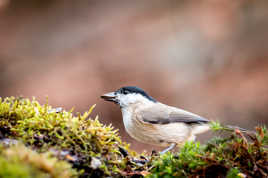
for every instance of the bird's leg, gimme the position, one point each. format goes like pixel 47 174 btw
pixel 171 146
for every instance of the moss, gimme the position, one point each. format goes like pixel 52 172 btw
pixel 95 150
pixel 21 162
pixel 237 155
pixel 178 165
pixel 77 139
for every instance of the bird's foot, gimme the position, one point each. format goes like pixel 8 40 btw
pixel 172 146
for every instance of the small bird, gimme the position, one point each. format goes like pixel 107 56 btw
pixel 153 122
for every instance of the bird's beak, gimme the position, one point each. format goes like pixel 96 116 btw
pixel 109 97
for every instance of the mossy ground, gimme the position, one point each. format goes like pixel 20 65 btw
pixel 237 155
pixel 91 147
pixel 80 146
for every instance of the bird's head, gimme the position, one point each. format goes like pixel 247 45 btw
pixel 126 96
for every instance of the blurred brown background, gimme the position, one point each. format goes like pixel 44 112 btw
pixel 208 57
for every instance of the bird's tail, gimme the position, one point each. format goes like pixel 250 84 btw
pixel 233 128
pixel 217 126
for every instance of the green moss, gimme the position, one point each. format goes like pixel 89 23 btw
pixel 236 155
pixel 21 162
pixel 76 139
pixel 233 173
pixel 179 164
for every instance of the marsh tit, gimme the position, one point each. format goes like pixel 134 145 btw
pixel 155 123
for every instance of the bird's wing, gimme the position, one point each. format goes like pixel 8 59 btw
pixel 163 114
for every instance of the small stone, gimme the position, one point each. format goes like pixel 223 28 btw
pixel 95 163
pixel 9 142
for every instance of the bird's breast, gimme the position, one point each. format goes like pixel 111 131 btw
pixel 146 133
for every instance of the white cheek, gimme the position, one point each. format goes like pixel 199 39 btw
pixel 125 100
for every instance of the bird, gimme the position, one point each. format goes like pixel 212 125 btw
pixel 152 122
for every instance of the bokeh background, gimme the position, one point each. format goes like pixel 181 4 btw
pixel 208 57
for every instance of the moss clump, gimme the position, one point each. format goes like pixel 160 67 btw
pixel 178 164
pixel 21 162
pixel 238 155
pixel 91 147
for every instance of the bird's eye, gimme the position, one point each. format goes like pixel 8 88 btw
pixel 125 92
